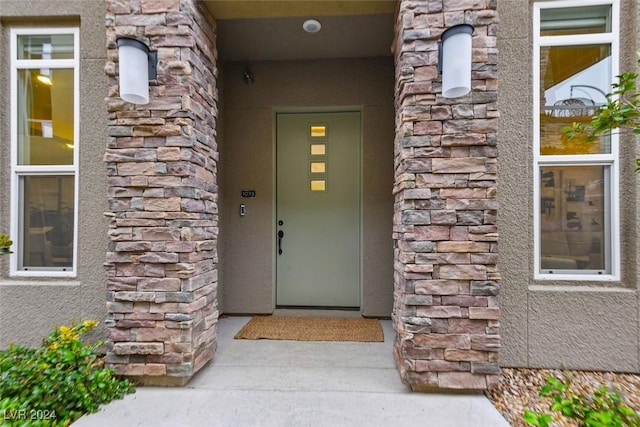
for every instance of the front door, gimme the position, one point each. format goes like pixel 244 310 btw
pixel 318 210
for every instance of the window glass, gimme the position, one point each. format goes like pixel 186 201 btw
pixel 45 46
pixel 573 20
pixel 47 221
pixel 45 116
pixel 573 223
pixel 574 81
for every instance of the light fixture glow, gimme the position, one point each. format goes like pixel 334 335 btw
pixel 455 60
pixel 137 67
pixel 312 26
pixel 44 79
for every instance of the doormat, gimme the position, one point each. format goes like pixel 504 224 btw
pixel 311 329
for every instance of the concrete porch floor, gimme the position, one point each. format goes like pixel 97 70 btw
pixel 289 383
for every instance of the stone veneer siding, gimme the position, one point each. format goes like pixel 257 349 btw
pixel 446 312
pixel 161 162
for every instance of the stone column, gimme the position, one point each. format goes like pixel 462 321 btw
pixel 446 312
pixel 161 164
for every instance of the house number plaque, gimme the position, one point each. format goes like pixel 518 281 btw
pixel 247 193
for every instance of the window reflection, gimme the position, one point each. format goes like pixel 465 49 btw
pixel 574 83
pixel 45 46
pixel 45 117
pixel 572 217
pixel 572 20
pixel 48 221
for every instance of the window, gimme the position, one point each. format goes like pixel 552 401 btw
pixel 575 181
pixel 44 150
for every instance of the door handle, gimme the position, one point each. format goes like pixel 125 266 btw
pixel 280 236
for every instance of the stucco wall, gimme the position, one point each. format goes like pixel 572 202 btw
pixel 247 158
pixel 580 325
pixel 30 308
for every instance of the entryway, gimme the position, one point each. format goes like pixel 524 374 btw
pixel 316 91
pixel 318 210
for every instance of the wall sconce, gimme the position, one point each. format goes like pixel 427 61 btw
pixel 454 62
pixel 138 65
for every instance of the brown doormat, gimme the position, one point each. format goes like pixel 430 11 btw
pixel 311 329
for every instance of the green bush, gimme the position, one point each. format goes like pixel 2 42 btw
pixel 58 382
pixel 604 408
pixel 5 244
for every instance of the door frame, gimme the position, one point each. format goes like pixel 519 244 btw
pixel 274 181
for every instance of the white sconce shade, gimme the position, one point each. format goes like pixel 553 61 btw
pixel 137 67
pixel 455 61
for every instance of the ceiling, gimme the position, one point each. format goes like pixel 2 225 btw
pixel 269 30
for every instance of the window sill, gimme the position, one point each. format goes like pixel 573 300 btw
pixel 560 277
pixel 40 282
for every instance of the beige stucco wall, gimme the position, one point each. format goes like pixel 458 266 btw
pixel 30 308
pixel 585 325
pixel 247 158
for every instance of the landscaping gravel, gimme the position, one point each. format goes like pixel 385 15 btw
pixel 518 390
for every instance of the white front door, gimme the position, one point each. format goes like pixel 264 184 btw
pixel 318 210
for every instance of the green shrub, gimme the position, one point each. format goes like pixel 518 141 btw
pixel 58 382
pixel 604 408
pixel 5 244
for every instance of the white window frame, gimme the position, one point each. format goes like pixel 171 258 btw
pixel 612 209
pixel 18 171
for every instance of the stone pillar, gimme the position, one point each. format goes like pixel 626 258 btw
pixel 446 312
pixel 161 164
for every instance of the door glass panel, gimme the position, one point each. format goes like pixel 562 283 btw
pixel 47 221
pixel 318 185
pixel 318 167
pixel 318 149
pixel 572 218
pixel 45 116
pixel 318 131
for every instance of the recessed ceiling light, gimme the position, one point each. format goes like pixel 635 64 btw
pixel 311 26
